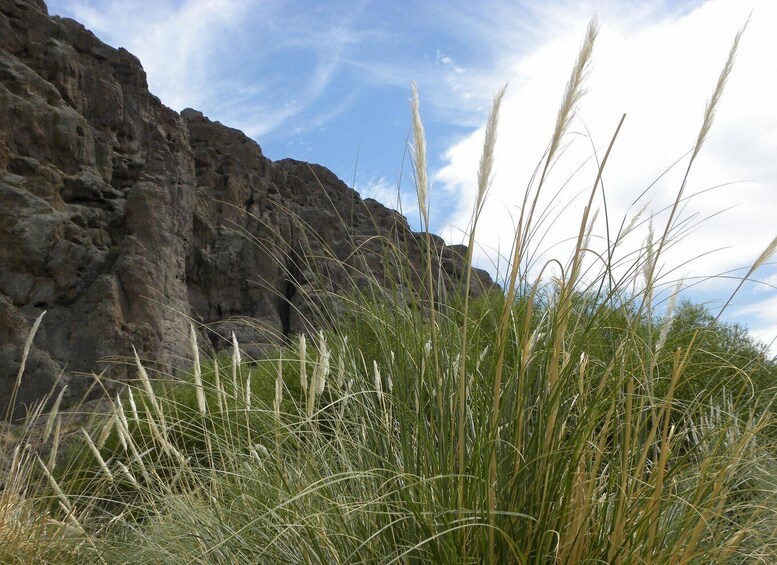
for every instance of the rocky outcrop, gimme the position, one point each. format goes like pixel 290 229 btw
pixel 126 221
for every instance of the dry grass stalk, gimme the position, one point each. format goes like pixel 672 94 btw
pixel 146 382
pixel 63 499
pixel 53 414
pixel 574 90
pixel 121 421
pixel 303 367
pixel 198 388
pixel 96 452
pixel 133 406
pixel 484 181
pixel 52 461
pixel 9 411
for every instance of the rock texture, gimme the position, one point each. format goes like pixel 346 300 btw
pixel 125 220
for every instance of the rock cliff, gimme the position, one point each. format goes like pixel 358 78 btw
pixel 125 221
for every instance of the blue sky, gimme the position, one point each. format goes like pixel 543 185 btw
pixel 329 82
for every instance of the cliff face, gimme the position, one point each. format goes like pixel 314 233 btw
pixel 125 220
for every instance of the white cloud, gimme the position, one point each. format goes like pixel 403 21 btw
pixel 387 193
pixel 187 46
pixel 761 320
pixel 659 69
pixel 766 284
pixel 179 44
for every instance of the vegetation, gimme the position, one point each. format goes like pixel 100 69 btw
pixel 558 421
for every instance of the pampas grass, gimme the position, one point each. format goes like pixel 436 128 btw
pixel 557 422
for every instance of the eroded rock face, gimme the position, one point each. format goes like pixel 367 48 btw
pixel 125 221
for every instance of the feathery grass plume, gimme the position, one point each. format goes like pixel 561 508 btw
pixel 589 230
pixel 574 90
pixel 63 499
pixel 121 421
pixel 321 370
pixel 649 268
pixel 55 444
pixel 422 191
pixel 125 438
pixel 53 414
pixel 156 434
pixel 133 406
pixel 381 395
pixel 666 324
pixel 712 103
pixel 96 452
pixel 303 367
pixel 765 255
pixel 128 474
pixel 137 456
pixel 164 441
pixel 487 156
pixel 377 380
pixel 256 457
pixel 106 430
pixel 572 95
pixel 709 116
pixel 278 391
pixel 15 467
pixel 149 391
pixel 484 181
pixel 198 388
pixel 25 352
pixel 235 361
pixel 419 157
pixel 582 366
pixel 633 221
pixel 316 385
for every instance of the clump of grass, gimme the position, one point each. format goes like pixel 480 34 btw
pixel 555 422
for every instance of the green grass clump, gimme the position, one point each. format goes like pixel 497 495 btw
pixel 559 421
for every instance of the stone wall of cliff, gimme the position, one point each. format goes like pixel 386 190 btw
pixel 125 220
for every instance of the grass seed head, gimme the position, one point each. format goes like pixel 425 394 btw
pixel 419 156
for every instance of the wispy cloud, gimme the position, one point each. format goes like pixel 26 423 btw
pixel 760 316
pixel 178 43
pixel 657 77
pixel 390 194
pixel 659 67
pixel 223 56
pixel 766 284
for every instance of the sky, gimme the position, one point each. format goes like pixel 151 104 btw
pixel 329 82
